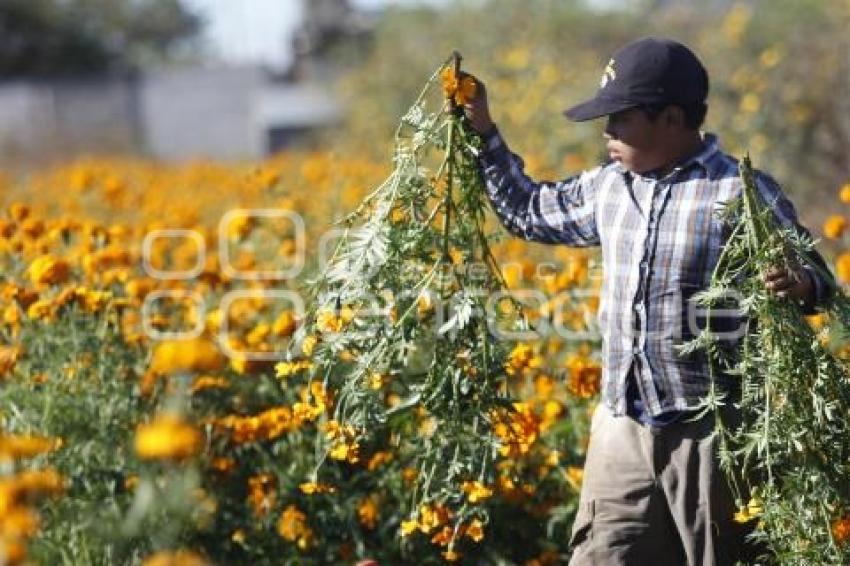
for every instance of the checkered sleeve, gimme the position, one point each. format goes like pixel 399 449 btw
pixel 548 212
pixel 784 212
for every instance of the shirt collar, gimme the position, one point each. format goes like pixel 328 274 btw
pixel 706 158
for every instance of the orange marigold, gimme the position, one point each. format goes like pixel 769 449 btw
pixel 834 226
pixel 462 91
pixel 841 529
pixel 842 267
pixel 584 377
pixel 167 437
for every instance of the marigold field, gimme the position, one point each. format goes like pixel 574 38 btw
pixel 131 434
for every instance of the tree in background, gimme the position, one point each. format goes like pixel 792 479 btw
pixel 48 38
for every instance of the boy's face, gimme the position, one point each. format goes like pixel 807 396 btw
pixel 636 142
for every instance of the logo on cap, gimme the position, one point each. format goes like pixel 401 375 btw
pixel 609 74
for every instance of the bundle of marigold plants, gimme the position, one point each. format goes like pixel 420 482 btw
pixel 789 460
pixel 405 322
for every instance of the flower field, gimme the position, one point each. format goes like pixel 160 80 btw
pixel 171 382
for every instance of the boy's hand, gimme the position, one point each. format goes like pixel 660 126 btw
pixel 477 110
pixel 790 282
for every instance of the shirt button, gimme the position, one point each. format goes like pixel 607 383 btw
pixel 639 307
pixel 636 350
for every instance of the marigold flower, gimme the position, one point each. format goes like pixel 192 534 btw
pixel 309 345
pixel 8 359
pixel 309 488
pixel 292 526
pixel 176 558
pixel 284 325
pixel 574 476
pixel 19 211
pixel 199 354
pixel 841 530
pixel 18 447
pixel 585 377
pixel 286 369
pixel 261 494
pixel 367 512
pixel 749 512
pixel 834 226
pixel 408 526
pixel 844 193
pixel 378 459
pixel 475 530
pixel 522 358
pixel 476 491
pixel 167 437
pixel 842 267
pixel 463 91
pixel 47 270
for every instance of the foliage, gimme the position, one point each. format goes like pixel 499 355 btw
pixel 45 38
pixel 788 460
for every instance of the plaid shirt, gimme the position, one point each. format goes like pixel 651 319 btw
pixel 660 240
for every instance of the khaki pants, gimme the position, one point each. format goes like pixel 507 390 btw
pixel 654 496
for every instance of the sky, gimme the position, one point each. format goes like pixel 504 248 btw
pixel 242 31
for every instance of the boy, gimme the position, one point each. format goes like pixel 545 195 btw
pixel 652 491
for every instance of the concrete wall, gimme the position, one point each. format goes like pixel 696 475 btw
pixel 218 113
pixel 202 112
pixel 55 118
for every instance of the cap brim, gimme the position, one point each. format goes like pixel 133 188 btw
pixel 596 108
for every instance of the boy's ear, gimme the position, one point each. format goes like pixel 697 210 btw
pixel 674 116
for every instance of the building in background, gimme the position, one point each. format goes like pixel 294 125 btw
pixel 219 112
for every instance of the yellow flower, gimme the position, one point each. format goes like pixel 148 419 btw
pixel 475 530
pixel 167 437
pixel 842 267
pixel 48 269
pixel 585 377
pixel 834 226
pixel 409 526
pixel 178 558
pixel 286 369
pixel 19 211
pixel 521 358
pixel 844 193
pixel 476 491
pixel 310 488
pixel 346 451
pixel 309 344
pixel 292 526
pixel 8 359
pixel 574 476
pixel 261 494
pixel 424 303
pixel 378 459
pixel 376 380
pixel 462 91
pixel 749 512
pixel 199 354
pixel 367 512
pixel 770 57
pixel 26 446
pixel 433 516
pixel 284 324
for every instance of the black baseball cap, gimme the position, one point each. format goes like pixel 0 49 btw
pixel 650 70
